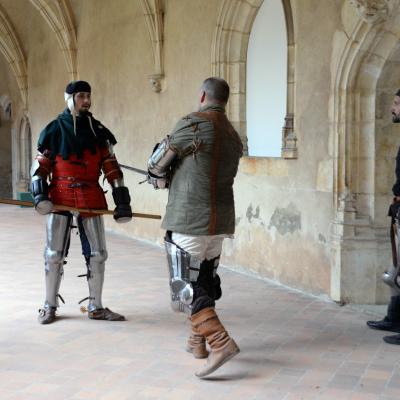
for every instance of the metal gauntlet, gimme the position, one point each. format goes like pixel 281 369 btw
pixel 40 192
pixel 122 200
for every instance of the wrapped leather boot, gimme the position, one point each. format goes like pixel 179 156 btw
pixel 223 347
pixel 196 344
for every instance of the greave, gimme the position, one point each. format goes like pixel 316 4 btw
pixel 94 229
pixel 95 283
pixel 54 274
pixel 57 230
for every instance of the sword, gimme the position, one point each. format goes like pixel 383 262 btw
pixel 57 207
pixel 139 171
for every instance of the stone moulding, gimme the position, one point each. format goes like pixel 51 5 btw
pixel 154 16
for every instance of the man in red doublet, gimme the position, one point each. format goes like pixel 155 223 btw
pixel 73 151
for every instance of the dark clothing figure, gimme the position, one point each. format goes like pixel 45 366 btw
pixel 391 322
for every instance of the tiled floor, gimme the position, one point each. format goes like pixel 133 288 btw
pixel 293 346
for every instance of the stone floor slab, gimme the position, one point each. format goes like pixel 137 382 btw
pixel 293 346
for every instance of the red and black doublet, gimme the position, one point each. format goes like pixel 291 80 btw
pixel 75 161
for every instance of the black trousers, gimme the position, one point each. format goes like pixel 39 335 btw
pixel 207 288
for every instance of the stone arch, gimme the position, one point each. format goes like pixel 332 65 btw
pixel 11 48
pixel 61 21
pixel 364 54
pixel 365 45
pixel 6 145
pixel 228 60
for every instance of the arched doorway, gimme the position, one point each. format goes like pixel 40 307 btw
pixel 6 147
pixel 363 161
pixel 24 155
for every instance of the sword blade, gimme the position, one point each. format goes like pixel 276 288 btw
pixel 57 207
pixel 139 171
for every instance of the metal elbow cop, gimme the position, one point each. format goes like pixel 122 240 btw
pixel 159 165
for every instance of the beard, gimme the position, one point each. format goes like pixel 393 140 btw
pixel 85 111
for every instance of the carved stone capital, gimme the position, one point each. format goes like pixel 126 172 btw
pixel 372 11
pixel 156 82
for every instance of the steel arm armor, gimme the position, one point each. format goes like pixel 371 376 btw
pixel 40 171
pixel 159 164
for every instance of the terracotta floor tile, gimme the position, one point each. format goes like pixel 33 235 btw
pixel 293 346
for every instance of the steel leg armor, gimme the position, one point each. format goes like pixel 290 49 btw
pixel 94 229
pixel 183 270
pixel 58 231
pixel 392 276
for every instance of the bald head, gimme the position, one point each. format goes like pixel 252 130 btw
pixel 216 90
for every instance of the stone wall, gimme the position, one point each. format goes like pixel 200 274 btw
pixel 146 60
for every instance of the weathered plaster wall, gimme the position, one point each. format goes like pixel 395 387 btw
pixel 285 208
pixel 283 190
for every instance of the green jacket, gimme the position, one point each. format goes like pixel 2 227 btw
pixel 200 200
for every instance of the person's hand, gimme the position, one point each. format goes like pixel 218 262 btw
pixel 122 200
pixel 122 213
pixel 157 182
pixel 396 199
